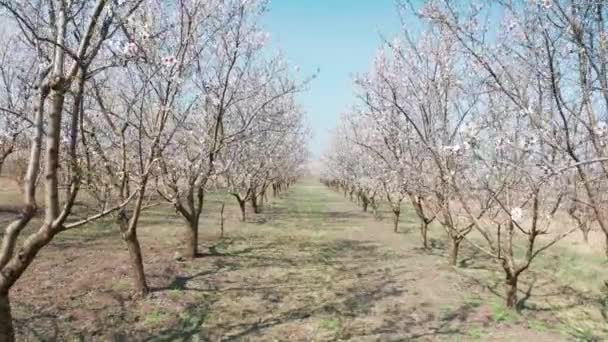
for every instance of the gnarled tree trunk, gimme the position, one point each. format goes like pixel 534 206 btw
pixel 7 331
pixel 511 290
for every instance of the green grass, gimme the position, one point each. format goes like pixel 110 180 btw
pixel 538 325
pixel 500 313
pixel 155 318
pixel 332 325
pixel 476 334
pixel 580 332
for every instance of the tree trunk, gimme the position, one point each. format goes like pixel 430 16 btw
pixel 192 237
pixel 606 245
pixel 141 286
pixel 242 206
pixel 254 204
pixel 137 264
pixel 424 230
pixel 375 209
pixel 454 249
pixel 586 236
pixel 396 214
pixel 511 289
pixel 364 203
pixel 7 332
pixel 3 158
pixel 222 220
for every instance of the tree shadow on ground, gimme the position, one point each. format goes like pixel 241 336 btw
pixel 360 281
pixel 538 296
pixel 49 323
pixel 373 285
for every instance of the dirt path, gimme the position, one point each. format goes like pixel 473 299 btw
pixel 312 267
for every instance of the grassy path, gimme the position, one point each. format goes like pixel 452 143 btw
pixel 311 267
pixel 317 268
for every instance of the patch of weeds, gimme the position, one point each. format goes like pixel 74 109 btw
pixel 174 294
pixel 580 332
pixel 446 312
pixel 121 285
pixel 476 334
pixel 332 325
pixel 500 313
pixel 190 320
pixel 188 328
pixel 326 255
pixel 538 325
pixel 389 253
pixel 474 302
pixel 155 318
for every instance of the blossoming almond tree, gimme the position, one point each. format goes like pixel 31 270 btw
pixel 227 47
pixel 255 161
pixel 148 102
pixel 17 74
pixel 424 82
pixel 388 135
pixel 237 84
pixel 64 70
pixel 563 43
pixel 516 186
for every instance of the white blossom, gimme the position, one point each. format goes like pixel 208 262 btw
pixel 517 214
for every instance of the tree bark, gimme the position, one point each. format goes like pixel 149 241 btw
pixel 141 286
pixel 424 233
pixel 6 154
pixel 375 208
pixel 586 236
pixel 130 238
pixel 396 214
pixel 254 204
pixel 263 198
pixel 606 245
pixel 192 237
pixel 454 249
pixel 243 211
pixel 511 290
pixel 7 332
pixel 222 220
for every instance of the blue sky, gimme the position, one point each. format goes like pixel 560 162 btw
pixel 340 37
